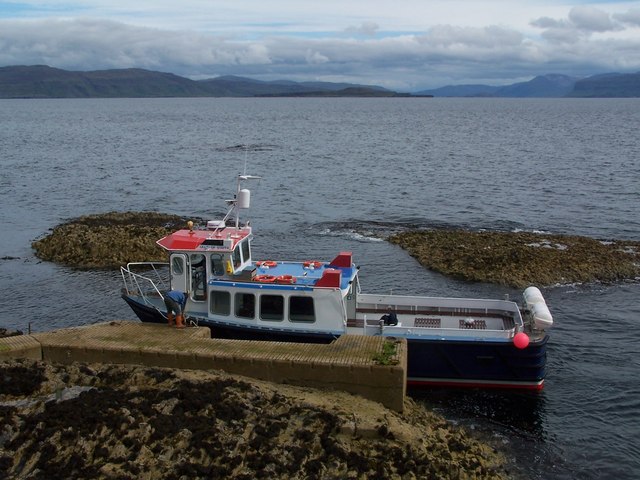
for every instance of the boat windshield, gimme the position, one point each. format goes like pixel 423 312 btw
pixel 217 264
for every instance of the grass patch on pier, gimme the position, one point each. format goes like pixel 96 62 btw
pixel 389 353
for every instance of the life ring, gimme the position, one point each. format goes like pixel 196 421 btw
pixel 312 264
pixel 286 279
pixel 265 278
pixel 266 263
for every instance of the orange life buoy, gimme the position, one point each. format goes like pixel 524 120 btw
pixel 265 278
pixel 312 264
pixel 286 279
pixel 266 263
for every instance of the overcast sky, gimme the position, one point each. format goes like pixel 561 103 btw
pixel 404 45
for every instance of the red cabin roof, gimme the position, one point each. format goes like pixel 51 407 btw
pixel 204 240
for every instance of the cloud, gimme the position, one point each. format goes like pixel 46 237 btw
pixel 591 19
pixel 477 38
pixel 365 28
pixel 96 44
pixel 546 22
pixel 632 17
pixel 581 41
pixel 591 41
pixel 315 58
pixel 581 23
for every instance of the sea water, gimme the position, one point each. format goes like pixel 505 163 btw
pixel 342 174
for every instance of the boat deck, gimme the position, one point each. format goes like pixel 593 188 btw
pixel 290 273
pixel 438 317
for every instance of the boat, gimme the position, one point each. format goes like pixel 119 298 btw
pixel 452 342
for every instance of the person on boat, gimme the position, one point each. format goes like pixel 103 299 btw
pixel 175 301
pixel 390 318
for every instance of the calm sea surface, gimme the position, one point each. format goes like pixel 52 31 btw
pixel 340 174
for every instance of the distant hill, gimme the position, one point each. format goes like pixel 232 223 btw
pixel 551 86
pixel 41 81
pixel 345 92
pixel 231 85
pixel 608 85
pixel 462 91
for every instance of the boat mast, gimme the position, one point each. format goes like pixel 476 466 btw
pixel 243 196
pixel 241 199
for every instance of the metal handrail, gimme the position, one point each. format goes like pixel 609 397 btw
pixel 133 282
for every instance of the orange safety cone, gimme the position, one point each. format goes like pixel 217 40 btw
pixel 180 321
pixel 170 318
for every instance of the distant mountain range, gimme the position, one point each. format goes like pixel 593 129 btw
pixel 552 85
pixel 41 81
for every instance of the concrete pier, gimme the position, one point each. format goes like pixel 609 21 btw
pixel 346 364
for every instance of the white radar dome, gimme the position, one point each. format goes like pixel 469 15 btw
pixel 244 198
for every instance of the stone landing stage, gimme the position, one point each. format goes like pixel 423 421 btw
pixel 347 364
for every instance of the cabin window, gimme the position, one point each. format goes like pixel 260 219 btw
pixel 220 303
pixel 245 305
pixel 246 253
pixel 301 309
pixel 217 264
pixel 236 258
pixel 177 265
pixel 272 307
pixel 198 277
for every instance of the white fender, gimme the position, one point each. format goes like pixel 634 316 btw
pixel 532 295
pixel 541 316
pixel 534 302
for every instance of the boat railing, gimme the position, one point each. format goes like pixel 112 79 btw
pixel 430 316
pixel 149 284
pixel 441 333
pixel 383 301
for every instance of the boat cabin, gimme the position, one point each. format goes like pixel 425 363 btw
pixel 216 268
pixel 197 255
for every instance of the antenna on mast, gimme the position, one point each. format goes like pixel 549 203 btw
pixel 242 198
pixel 246 155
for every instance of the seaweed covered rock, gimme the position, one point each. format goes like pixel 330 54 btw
pixel 519 259
pixel 108 240
pixel 108 421
pixel 5 332
pixel 516 259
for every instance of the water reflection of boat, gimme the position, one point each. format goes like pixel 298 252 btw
pixel 451 341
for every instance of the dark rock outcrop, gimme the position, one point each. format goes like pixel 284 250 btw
pixel 108 240
pixel 523 258
pixel 107 421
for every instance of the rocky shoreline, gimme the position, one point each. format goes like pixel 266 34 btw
pixel 108 240
pixel 516 259
pixel 108 421
pixel 520 259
